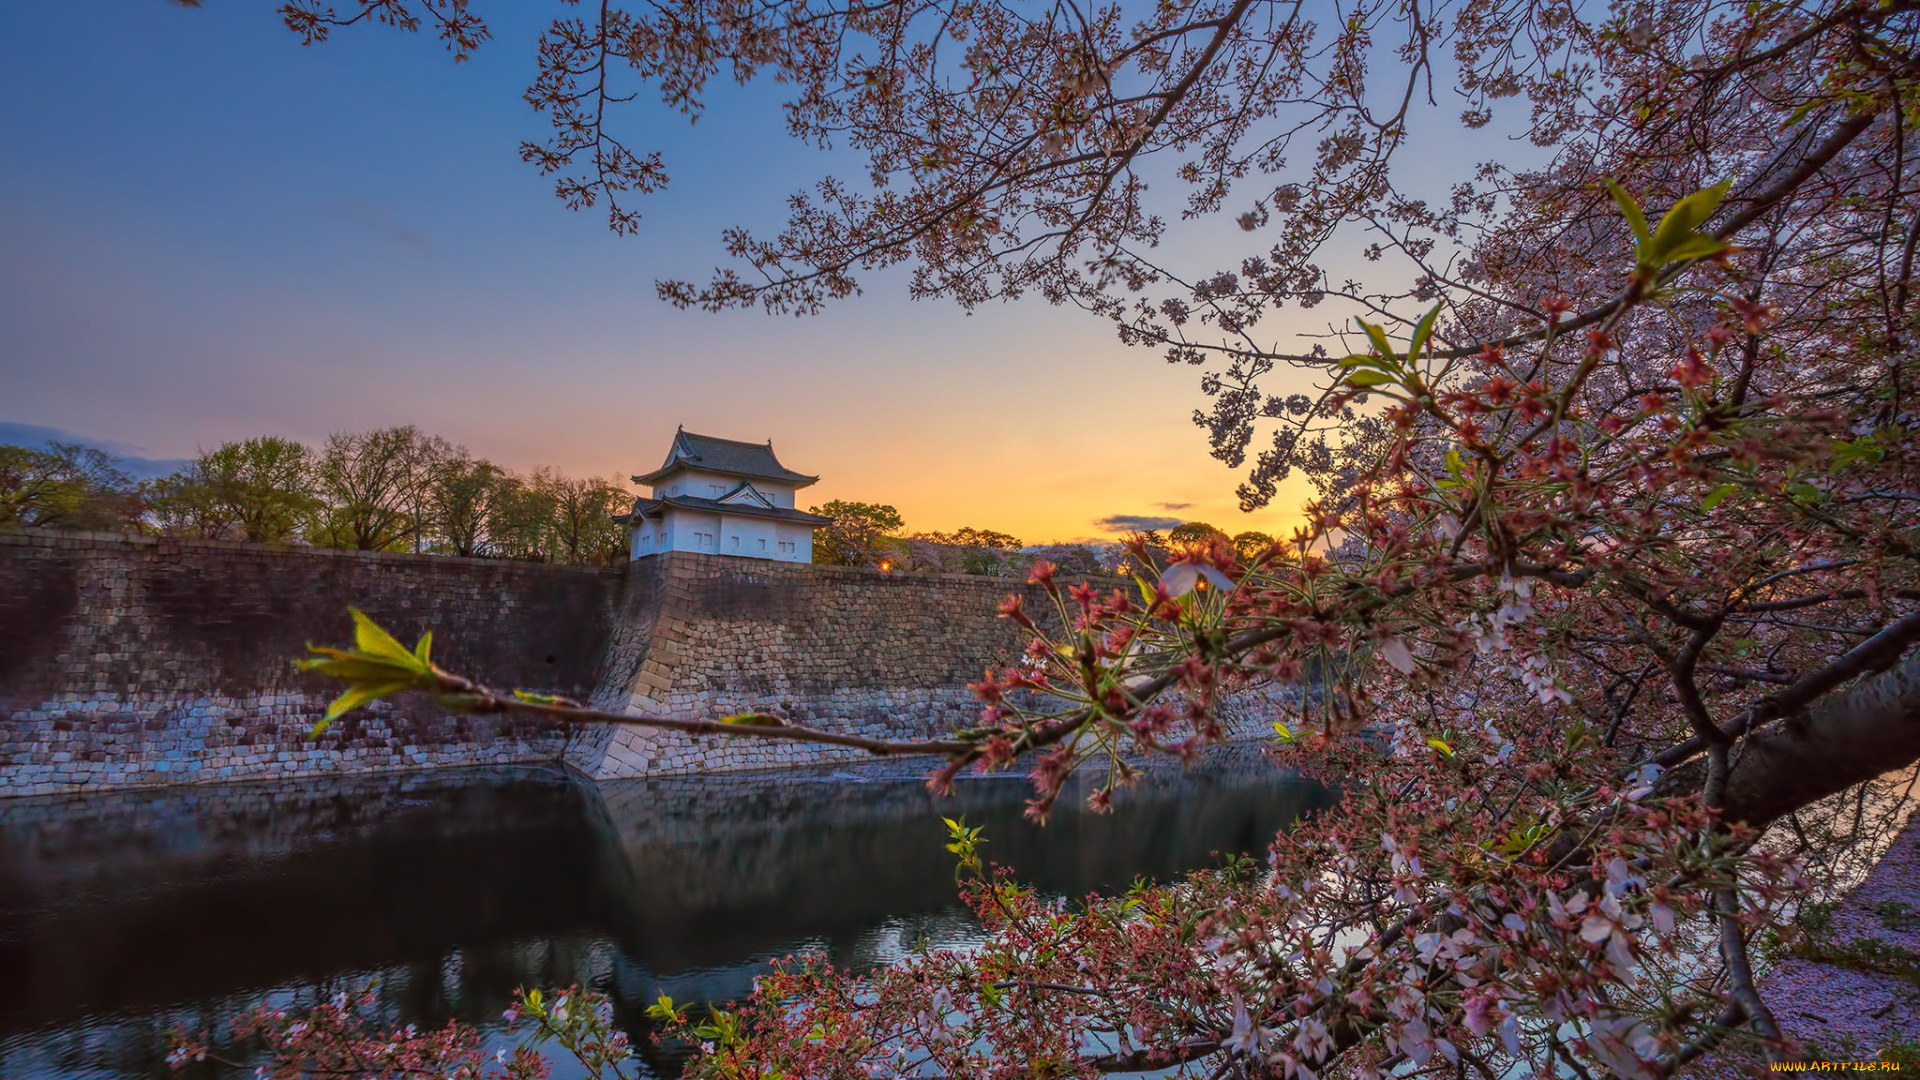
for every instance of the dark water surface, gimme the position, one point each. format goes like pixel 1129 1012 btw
pixel 123 915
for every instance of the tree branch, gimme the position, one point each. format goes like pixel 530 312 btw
pixel 1842 741
pixel 1875 654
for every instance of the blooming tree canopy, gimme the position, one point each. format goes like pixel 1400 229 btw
pixel 1610 574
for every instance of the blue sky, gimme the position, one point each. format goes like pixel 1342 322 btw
pixel 209 232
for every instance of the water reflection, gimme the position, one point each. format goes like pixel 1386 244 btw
pixel 125 914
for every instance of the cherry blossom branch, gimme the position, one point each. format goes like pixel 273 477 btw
pixel 472 698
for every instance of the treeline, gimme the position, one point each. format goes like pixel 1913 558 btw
pixel 395 489
pixel 875 535
pixel 398 489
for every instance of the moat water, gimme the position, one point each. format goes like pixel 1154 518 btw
pixel 126 915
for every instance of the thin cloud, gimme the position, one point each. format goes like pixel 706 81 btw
pixel 1174 506
pixel 34 436
pixel 384 224
pixel 1129 523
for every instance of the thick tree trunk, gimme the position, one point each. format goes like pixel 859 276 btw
pixel 1845 738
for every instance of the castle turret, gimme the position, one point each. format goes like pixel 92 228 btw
pixel 723 497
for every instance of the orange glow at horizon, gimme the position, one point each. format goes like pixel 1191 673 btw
pixel 1025 422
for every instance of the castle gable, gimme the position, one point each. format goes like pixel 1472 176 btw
pixel 747 495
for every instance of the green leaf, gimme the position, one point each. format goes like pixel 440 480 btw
pixel 1364 360
pixel 1422 332
pixel 1441 745
pixel 371 638
pixel 352 666
pixel 359 694
pixel 1364 379
pixel 1866 450
pixel 1697 246
pixel 1685 216
pixel 1693 211
pixel 1282 730
pixel 753 719
pixel 1455 464
pixel 1522 838
pixel 377 667
pixel 1718 495
pixel 1378 336
pixel 1801 113
pixel 1630 209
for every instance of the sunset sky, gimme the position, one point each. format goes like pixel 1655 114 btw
pixel 209 232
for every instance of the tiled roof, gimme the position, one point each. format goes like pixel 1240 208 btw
pixel 652 508
pixel 726 456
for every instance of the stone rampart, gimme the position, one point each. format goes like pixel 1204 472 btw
pixel 843 649
pixel 137 661
pixel 128 661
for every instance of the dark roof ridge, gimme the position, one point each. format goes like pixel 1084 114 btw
pixel 730 457
pixel 721 438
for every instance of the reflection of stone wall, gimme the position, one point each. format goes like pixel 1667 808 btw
pixel 134 661
pixel 126 913
pixel 775 855
pixel 79 843
pixel 126 901
pixel 857 651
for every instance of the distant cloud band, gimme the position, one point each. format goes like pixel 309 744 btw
pixel 384 224
pixel 1127 523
